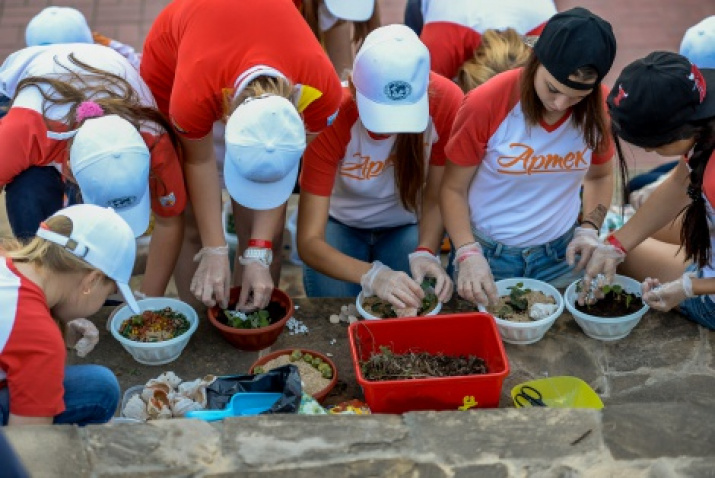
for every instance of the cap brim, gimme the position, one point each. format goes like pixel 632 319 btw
pixel 138 216
pixel 707 107
pixel 394 118
pixel 258 195
pixel 353 10
pixel 128 297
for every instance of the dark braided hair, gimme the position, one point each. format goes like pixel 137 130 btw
pixel 695 233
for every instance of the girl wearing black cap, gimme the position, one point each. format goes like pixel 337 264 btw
pixel 522 145
pixel 663 103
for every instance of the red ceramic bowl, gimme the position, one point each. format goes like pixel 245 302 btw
pixel 253 339
pixel 320 395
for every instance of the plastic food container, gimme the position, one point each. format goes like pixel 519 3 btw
pixel 320 395
pixel 155 353
pixel 473 333
pixel 606 328
pixel 369 316
pixel 527 332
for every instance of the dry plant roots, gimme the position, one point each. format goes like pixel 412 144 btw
pixel 387 365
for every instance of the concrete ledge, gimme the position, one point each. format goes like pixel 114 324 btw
pixel 663 439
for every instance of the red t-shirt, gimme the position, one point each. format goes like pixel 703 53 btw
pixel 196 51
pixel 32 351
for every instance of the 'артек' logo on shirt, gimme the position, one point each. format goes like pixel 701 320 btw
pixel 527 162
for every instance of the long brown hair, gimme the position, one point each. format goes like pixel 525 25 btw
pixel 498 51
pixel 110 91
pixel 309 9
pixel 410 169
pixel 588 115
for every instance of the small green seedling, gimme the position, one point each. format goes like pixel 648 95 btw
pixel 254 320
pixel 517 298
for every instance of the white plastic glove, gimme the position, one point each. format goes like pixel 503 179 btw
pixel 212 280
pixel 604 260
pixel 82 335
pixel 666 296
pixel 397 288
pixel 422 264
pixel 584 241
pixel 256 285
pixel 475 282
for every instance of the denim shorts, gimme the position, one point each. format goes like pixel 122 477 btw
pixel 546 262
pixel 389 245
pixel 701 308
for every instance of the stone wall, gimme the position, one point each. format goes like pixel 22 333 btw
pixel 632 440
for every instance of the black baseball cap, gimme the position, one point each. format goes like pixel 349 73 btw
pixel 655 95
pixel 573 39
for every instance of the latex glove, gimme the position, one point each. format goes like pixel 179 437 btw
pixel 82 335
pixel 475 282
pixel 585 240
pixel 423 264
pixel 212 280
pixel 397 288
pixel 604 260
pixel 256 285
pixel 666 296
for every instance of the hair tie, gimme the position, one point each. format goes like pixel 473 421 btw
pixel 695 193
pixel 88 109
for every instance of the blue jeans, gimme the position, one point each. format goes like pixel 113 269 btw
pixel 546 262
pixel 34 195
pixel 389 245
pixel 701 308
pixel 91 396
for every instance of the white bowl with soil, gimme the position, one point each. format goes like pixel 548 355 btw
pixel 599 321
pixel 515 325
pixel 374 308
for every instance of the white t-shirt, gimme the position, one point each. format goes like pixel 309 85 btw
pixel 526 189
pixel 355 169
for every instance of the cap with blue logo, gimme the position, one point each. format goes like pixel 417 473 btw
pixel 391 77
pixel 265 139
pixel 111 163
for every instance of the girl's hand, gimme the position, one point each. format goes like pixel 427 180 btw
pixel 212 280
pixel 82 335
pixel 395 287
pixel 584 242
pixel 423 264
pixel 257 286
pixel 475 282
pixel 666 296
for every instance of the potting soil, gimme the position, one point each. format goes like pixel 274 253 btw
pixel 612 305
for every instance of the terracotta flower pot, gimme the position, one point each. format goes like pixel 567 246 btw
pixel 320 395
pixel 253 339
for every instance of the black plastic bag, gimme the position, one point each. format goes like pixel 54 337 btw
pixel 285 380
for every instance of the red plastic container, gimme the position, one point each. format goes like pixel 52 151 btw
pixel 473 333
pixel 253 339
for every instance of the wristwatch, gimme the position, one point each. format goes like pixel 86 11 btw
pixel 260 254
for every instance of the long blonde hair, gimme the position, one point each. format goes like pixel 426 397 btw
pixel 45 254
pixel 499 51
pixel 264 85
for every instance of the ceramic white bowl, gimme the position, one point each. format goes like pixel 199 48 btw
pixel 603 328
pixel 523 333
pixel 155 353
pixel 369 316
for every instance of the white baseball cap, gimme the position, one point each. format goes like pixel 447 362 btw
pixel 111 162
pixel 58 25
pixel 353 10
pixel 265 138
pixel 698 44
pixel 101 238
pixel 391 76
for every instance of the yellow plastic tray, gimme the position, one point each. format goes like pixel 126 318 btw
pixel 562 392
